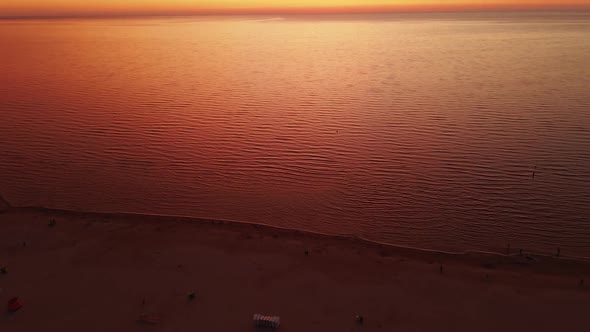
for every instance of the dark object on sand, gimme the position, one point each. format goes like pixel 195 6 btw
pixel 441 269
pixel 558 252
pixel 359 319
pixel 306 253
pixel 52 223
pixel 267 321
pixel 490 266
pixel 3 270
pixel 191 295
pixel 13 305
pixel 581 282
pixel 149 319
pixel 520 252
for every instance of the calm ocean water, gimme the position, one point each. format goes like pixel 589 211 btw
pixel 441 131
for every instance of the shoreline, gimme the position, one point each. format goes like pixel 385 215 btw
pixel 4 205
pixel 384 249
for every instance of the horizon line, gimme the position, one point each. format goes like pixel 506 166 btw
pixel 279 12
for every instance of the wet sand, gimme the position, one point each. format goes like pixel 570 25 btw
pixel 100 272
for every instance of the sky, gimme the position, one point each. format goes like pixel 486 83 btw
pixel 92 7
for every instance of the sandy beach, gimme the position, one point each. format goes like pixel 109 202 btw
pixel 100 272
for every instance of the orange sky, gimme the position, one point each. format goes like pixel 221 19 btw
pixel 57 7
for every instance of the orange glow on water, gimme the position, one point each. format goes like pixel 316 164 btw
pixel 53 7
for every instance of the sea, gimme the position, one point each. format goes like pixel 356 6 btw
pixel 452 132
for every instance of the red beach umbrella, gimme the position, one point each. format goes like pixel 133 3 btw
pixel 13 304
